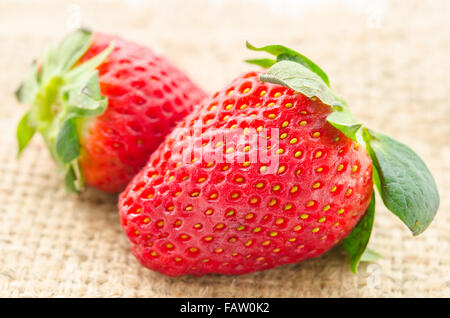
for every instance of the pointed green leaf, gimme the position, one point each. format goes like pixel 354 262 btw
pixel 25 131
pixel 73 179
pixel 342 119
pixel 264 63
pixel 87 100
pixel 285 53
pixel 67 145
pixel 356 242
pixel 370 256
pixel 26 93
pixel 405 184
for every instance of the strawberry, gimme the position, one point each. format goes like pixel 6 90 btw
pixel 103 105
pixel 272 169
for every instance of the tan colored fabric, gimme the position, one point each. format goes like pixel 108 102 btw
pixel 389 59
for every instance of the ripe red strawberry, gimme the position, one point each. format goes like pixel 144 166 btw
pixel 102 128
pixel 233 217
pixel 262 175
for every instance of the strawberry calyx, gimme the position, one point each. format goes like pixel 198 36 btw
pixel 402 179
pixel 62 95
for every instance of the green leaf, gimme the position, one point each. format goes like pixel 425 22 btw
pixel 25 131
pixel 60 59
pixel 264 63
pixel 356 242
pixel 370 256
pixel 87 100
pixel 284 53
pixel 301 79
pixel 73 179
pixel 405 184
pixel 67 145
pixel 26 93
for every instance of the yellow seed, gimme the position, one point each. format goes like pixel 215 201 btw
pixel 336 139
pixel 245 91
pixel 288 206
pixel 303 123
pixel 229 106
pixel 263 93
pixel 195 194
pixel 177 259
pixel 213 107
pixel 340 211
pixel 303 112
pixel 220 226
pixel 297 228
pixel 285 124
pixel 310 203
pixel 246 148
pixel 154 254
pixel 272 116
pixel 298 171
pixel 185 178
pixel 240 228
pixel 256 230
pixel 249 216
pixel 208 238
pixel 178 223
pixel 294 189
pixel 340 167
pixel 230 150
pixel 160 224
pixel 333 189
pixel 272 202
pixel 248 243
pixel 293 141
pixel 315 230
pixel 184 236
pixel 219 250
pixel 279 221
pixel 273 234
pixel 138 210
pixel 213 196
pixel 318 154
pixel 169 246
pixel 239 179
pixel 230 212
pixel 270 104
pixel 150 196
pixel 219 144
pixel 232 239
pixel 189 208
pixel 259 185
pixel 230 92
pixel 225 117
pixel 225 168
pixel 198 226
pixel 319 169
pixel 254 200
pixel 263 169
pixel 288 105
pixel 243 106
pixel 298 154
pixel 146 220
pixel 349 192
pixel 316 134
pixel 355 168
pixel 281 169
pixel 280 151
pixel 276 187
pixel 316 185
pixel 245 132
pixel 246 164
pixel 201 179
pixel 233 127
pixel 278 94
pixel 235 195
pixel 326 207
pixel 336 224
pixel 193 249
pixel 304 216
pixel 322 219
pixel 170 208
pixel 283 135
pixel 276 250
pixel 209 212
pixel 210 164
pixel 259 128
pixel 266 243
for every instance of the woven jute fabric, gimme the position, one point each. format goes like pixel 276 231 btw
pixel 388 59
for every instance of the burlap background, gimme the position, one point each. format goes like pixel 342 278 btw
pixel 389 59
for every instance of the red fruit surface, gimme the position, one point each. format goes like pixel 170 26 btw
pixel 202 216
pixel 147 96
